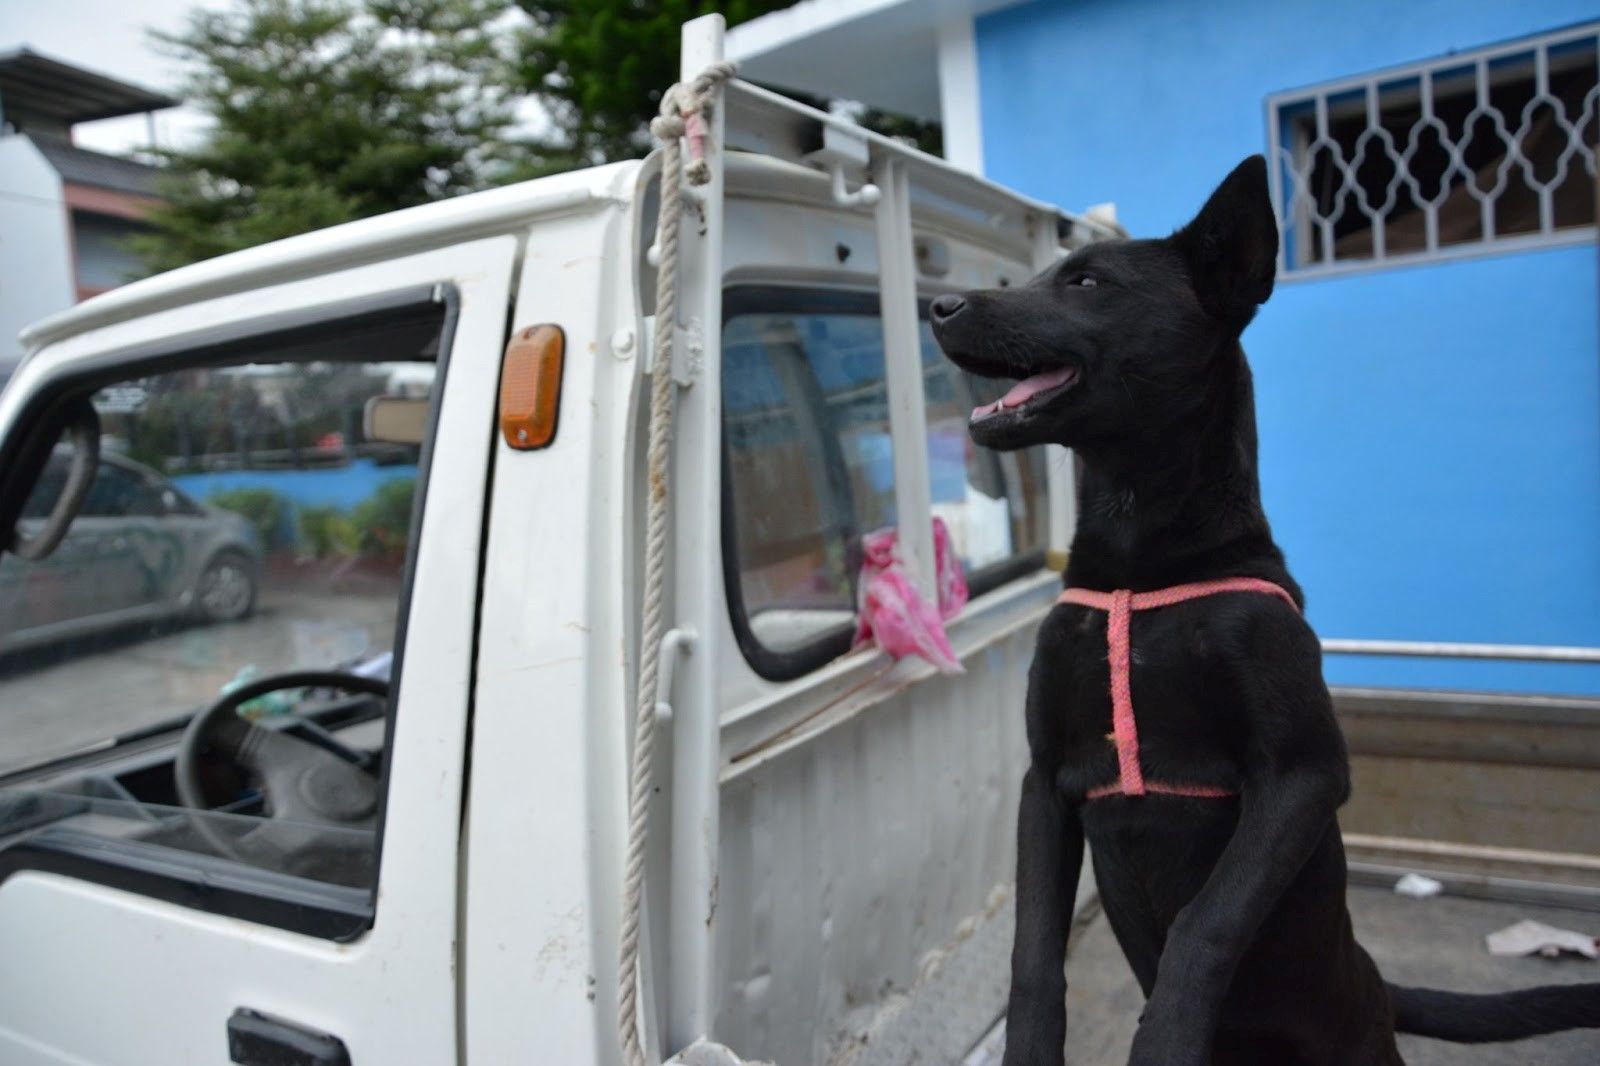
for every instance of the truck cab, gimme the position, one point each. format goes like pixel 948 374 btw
pixel 380 813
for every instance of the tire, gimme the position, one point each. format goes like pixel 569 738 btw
pixel 226 588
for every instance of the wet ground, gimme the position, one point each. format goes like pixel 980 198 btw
pixel 1434 942
pixel 57 699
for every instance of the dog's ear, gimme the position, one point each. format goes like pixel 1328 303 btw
pixel 1231 246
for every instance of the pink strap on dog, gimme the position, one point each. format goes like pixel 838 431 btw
pixel 1119 607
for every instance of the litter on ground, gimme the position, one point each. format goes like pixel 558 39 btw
pixel 1536 938
pixel 1417 886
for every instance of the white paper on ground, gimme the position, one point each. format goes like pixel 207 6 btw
pixel 1418 886
pixel 1529 938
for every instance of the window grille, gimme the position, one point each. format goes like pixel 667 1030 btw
pixel 1491 150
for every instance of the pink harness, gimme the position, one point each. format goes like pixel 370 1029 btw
pixel 1119 607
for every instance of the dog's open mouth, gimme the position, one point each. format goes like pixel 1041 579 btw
pixel 1030 392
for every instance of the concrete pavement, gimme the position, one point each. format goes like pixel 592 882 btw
pixel 58 699
pixel 1436 943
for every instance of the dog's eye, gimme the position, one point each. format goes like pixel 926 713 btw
pixel 1086 281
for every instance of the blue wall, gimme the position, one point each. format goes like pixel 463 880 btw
pixel 1430 435
pixel 1431 457
pixel 332 486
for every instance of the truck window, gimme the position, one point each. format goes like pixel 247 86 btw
pixel 809 469
pixel 242 527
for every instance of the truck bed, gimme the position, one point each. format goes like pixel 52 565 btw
pixel 1434 942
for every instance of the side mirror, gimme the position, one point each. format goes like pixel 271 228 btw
pixel 395 419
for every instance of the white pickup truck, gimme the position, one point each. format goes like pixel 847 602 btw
pixel 378 811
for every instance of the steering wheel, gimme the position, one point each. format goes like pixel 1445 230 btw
pixel 323 783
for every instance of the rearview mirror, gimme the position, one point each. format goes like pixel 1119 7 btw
pixel 396 419
pixel 82 429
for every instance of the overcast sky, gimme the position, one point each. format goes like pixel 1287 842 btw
pixel 108 36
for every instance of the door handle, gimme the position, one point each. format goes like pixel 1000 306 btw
pixel 256 1039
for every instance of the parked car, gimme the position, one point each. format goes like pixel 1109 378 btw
pixel 140 550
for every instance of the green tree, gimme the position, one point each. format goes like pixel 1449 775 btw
pixel 329 110
pixel 383 520
pixel 600 67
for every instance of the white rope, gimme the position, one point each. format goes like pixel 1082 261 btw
pixel 684 110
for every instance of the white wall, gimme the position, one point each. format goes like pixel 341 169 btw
pixel 958 95
pixel 35 244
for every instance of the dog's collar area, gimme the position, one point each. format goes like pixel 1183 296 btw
pixel 1119 607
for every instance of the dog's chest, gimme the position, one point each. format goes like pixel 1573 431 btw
pixel 1181 712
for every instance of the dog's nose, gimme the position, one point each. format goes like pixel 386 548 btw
pixel 946 307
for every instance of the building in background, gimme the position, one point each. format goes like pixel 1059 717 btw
pixel 1428 371
pixel 64 211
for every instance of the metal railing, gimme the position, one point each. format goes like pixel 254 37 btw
pixel 1492 149
pixel 1438 649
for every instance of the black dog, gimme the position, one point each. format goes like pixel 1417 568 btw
pixel 1230 908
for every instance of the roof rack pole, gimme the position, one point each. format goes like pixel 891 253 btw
pixel 1060 477
pixel 698 597
pixel 902 353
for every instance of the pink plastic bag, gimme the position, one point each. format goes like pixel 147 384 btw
pixel 891 612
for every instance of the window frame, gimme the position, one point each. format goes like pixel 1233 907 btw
pixel 1288 158
pixel 197 880
pixel 787 665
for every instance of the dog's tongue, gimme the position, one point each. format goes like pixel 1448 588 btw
pixel 1025 390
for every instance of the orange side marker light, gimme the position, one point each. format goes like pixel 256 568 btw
pixel 530 386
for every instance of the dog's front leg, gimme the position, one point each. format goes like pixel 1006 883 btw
pixel 1297 777
pixel 1280 824
pixel 1049 857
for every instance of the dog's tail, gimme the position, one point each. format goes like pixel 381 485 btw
pixel 1464 1018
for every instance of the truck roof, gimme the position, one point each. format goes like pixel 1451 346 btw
pixel 958 201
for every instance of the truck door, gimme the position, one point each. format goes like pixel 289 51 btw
pixel 282 873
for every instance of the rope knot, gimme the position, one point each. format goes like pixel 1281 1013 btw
pixel 667 127
pixel 685 109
